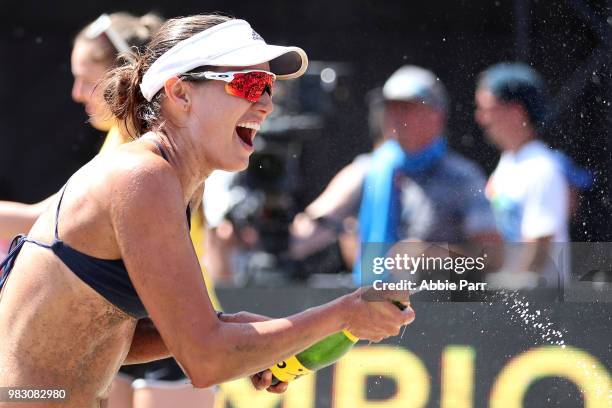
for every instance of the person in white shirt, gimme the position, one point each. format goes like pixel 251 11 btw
pixel 528 191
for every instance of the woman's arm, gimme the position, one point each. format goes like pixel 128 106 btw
pixel 148 215
pixel 147 345
pixel 18 218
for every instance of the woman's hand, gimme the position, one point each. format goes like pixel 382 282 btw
pixel 263 381
pixel 372 315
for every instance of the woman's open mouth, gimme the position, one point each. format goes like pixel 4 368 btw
pixel 246 132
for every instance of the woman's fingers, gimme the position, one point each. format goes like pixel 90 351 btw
pixel 375 317
pixel 410 315
pixel 405 316
pixel 262 380
pixel 278 388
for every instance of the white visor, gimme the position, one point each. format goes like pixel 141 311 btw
pixel 230 44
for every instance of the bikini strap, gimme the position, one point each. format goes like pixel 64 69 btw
pixel 161 149
pixel 16 244
pixel 189 216
pixel 7 263
pixel 57 211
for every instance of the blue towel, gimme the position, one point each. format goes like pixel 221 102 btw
pixel 380 212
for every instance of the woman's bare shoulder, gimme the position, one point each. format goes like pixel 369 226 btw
pixel 132 169
pixel 137 180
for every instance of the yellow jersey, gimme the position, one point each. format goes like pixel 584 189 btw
pixel 113 138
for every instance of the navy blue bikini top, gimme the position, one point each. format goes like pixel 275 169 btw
pixel 108 277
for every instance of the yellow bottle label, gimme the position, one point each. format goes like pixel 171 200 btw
pixel 350 336
pixel 289 370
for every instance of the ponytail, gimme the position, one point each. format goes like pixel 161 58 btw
pixel 121 85
pixel 125 101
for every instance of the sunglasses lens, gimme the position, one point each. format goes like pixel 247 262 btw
pixel 250 85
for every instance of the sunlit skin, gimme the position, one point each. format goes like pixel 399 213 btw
pixel 87 73
pixel 131 205
pixel 226 151
pixel 414 124
pixel 506 124
pixel 192 117
pixel 203 139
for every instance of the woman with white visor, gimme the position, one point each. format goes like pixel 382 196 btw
pixel 108 275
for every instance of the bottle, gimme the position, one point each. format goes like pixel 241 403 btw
pixel 319 355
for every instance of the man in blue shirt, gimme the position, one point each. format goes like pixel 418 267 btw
pixel 417 188
pixel 442 203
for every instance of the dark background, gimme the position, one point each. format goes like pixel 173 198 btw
pixel 45 136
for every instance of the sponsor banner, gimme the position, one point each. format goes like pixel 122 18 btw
pixel 515 352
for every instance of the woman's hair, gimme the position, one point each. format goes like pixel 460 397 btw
pixel 121 85
pixel 134 31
